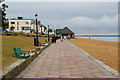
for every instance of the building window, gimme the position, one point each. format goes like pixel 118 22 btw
pixel 12 22
pixel 22 28
pixel 26 22
pixel 26 28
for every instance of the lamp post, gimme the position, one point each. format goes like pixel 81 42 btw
pixel 36 39
pixel 48 34
pixel 41 28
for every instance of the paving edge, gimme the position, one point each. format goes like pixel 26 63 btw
pixel 111 70
pixel 15 68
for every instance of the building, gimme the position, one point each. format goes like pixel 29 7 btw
pixel 66 32
pixel 25 25
pixel 21 25
pixel 42 28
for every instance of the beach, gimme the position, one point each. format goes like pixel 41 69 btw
pixel 105 51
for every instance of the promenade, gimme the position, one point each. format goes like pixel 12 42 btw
pixel 64 60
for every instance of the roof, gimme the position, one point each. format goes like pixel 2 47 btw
pixel 20 19
pixel 32 20
pixel 43 26
pixel 65 30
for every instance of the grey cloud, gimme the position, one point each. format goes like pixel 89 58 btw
pixel 105 24
pixel 81 17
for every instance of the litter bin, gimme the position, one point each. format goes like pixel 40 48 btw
pixel 35 42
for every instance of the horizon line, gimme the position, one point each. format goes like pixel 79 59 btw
pixel 97 34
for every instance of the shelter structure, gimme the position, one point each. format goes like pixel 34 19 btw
pixel 65 32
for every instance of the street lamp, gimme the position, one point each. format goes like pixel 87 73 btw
pixel 48 34
pixel 36 39
pixel 41 28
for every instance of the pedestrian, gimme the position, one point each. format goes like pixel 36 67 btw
pixel 61 38
pixel 54 39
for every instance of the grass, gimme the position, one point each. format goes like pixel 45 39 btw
pixel 10 42
pixel 105 51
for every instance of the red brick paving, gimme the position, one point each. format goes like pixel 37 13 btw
pixel 63 60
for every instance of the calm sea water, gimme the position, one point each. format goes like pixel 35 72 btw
pixel 114 39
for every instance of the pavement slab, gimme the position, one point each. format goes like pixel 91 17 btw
pixel 64 60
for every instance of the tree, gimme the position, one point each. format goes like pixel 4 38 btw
pixel 1 1
pixel 12 28
pixel 4 19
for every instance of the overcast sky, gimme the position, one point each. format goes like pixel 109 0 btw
pixel 62 0
pixel 80 17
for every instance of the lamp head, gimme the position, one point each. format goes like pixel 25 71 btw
pixel 36 16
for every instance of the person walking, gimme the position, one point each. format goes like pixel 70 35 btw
pixel 61 38
pixel 54 39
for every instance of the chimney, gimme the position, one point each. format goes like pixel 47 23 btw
pixel 20 18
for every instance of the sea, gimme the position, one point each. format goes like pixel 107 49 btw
pixel 113 38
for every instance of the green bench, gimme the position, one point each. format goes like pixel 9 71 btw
pixel 41 44
pixel 20 53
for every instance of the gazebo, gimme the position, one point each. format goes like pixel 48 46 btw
pixel 65 32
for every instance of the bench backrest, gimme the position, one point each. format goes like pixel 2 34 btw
pixel 17 51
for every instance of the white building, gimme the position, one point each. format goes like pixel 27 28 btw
pixel 25 25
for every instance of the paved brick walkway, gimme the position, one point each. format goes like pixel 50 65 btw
pixel 63 60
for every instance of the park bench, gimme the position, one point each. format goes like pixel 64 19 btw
pixel 41 44
pixel 20 53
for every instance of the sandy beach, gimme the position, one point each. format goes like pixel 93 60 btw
pixel 105 51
